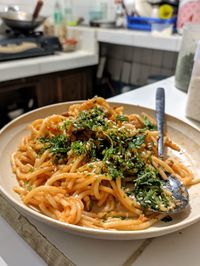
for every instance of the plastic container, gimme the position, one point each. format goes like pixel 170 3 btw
pixel 159 29
pixel 189 12
pixel 95 15
pixel 104 9
pixel 145 24
pixel 185 62
pixel 98 10
pixel 193 98
pixel 68 12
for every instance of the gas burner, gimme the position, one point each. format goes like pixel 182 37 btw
pixel 9 33
pixel 17 45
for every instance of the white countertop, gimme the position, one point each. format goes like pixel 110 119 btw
pixel 140 39
pixel 180 248
pixel 144 96
pixel 47 64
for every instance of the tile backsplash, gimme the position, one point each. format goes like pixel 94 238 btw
pixel 80 7
pixel 138 66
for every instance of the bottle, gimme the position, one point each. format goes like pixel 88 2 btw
pixel 68 14
pixel 119 16
pixel 191 35
pixel 104 9
pixel 193 97
pixel 58 17
pixel 59 27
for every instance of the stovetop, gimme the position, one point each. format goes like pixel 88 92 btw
pixel 15 45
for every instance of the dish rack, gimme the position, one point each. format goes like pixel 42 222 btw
pixel 145 23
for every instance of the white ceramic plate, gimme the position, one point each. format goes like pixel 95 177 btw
pixel 183 134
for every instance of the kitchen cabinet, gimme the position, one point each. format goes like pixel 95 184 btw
pixel 75 85
pixel 21 95
pixel 17 97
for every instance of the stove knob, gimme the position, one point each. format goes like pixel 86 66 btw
pixel 44 44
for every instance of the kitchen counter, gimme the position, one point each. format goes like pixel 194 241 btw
pixel 85 55
pixel 143 39
pixel 46 64
pixel 175 99
pixel 87 52
pixel 180 248
pixel 140 39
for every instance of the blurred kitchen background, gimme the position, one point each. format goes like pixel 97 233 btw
pixel 86 48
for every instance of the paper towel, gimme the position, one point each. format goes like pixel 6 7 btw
pixel 193 99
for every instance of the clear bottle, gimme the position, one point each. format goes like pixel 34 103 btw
pixel 193 97
pixel 191 35
pixel 59 27
pixel 104 9
pixel 119 16
pixel 58 17
pixel 68 11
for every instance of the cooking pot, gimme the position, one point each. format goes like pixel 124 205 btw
pixel 22 21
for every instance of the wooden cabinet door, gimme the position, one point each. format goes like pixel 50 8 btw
pixel 75 85
pixel 46 90
pixel 69 86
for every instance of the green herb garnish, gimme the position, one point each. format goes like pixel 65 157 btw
pixel 148 124
pixel 121 118
pixel 149 190
pixel 78 147
pixel 57 145
pixel 137 142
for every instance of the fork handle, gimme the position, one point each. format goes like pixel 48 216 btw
pixel 160 118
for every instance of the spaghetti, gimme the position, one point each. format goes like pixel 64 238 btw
pixel 92 164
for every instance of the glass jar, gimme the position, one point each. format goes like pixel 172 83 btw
pixel 193 97
pixel 185 62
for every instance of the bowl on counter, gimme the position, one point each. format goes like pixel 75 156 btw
pixel 70 45
pixel 102 23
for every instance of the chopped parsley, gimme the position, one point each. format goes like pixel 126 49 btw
pixel 90 119
pixel 27 185
pixel 148 124
pixel 31 170
pixel 149 190
pixel 96 134
pixel 66 125
pixel 78 147
pixel 137 142
pixel 114 172
pixel 86 147
pixel 121 118
pixel 57 145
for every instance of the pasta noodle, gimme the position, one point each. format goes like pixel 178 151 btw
pixel 89 166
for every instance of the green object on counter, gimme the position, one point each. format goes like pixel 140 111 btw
pixel 72 23
pixel 184 72
pixel 68 13
pixel 58 17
